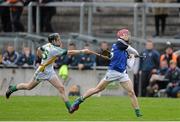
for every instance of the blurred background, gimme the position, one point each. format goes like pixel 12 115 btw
pixel 92 24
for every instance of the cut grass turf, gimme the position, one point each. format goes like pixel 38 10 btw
pixel 95 108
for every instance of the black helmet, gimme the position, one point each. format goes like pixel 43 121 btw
pixel 53 36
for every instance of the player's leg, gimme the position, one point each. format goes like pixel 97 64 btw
pixel 21 86
pixel 60 87
pixel 128 86
pixel 101 86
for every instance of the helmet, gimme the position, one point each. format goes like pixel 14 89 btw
pixel 53 37
pixel 124 34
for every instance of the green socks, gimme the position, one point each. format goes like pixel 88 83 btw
pixel 138 113
pixel 68 104
pixel 13 88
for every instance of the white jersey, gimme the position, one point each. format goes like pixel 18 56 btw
pixel 49 52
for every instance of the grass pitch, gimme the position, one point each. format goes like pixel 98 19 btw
pixel 95 108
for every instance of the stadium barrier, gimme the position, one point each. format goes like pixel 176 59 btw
pixel 85 79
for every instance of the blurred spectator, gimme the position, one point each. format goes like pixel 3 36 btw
pixel 37 60
pixel 1 58
pixel 157 75
pixel 86 60
pixel 173 75
pixel 62 60
pixel 169 55
pixel 104 50
pixel 62 64
pixel 34 14
pixel 160 15
pixel 10 57
pixel 148 64
pixel 26 57
pixel 72 59
pixel 46 15
pixel 178 61
pixel 16 12
pixel 64 73
pixel 74 90
pixel 177 53
pixel 5 18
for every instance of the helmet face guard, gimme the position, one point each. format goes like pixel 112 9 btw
pixel 124 34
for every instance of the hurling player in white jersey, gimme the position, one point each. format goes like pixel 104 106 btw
pixel 49 53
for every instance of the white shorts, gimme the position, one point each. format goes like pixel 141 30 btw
pixel 112 75
pixel 42 76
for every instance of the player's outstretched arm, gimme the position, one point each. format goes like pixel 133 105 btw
pixel 97 54
pixel 73 52
pixel 87 51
